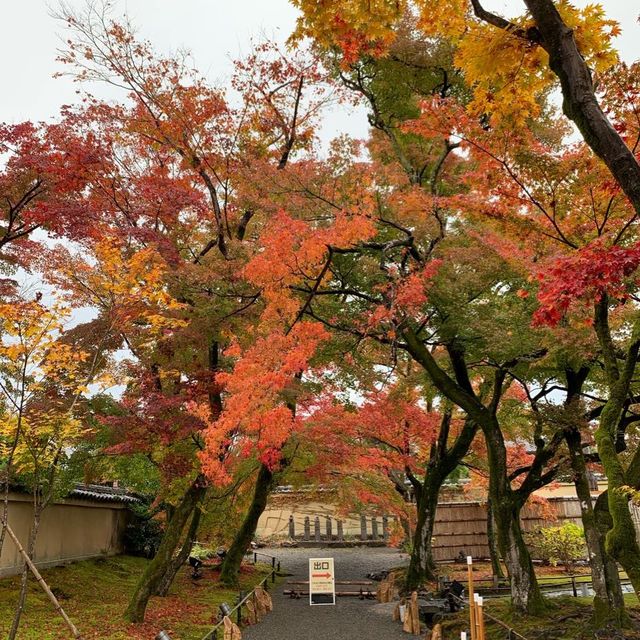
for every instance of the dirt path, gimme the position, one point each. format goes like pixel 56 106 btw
pixel 350 618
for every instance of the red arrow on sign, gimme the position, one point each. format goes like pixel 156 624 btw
pixel 321 575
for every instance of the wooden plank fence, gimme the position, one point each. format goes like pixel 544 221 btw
pixel 461 527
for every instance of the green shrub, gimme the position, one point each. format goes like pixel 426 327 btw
pixel 201 552
pixel 560 545
pixel 143 534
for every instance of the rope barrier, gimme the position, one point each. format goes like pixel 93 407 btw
pixel 275 568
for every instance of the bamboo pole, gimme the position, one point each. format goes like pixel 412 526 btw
pixel 470 597
pixel 43 584
pixel 480 618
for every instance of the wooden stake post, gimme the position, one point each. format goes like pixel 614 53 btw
pixel 470 597
pixel 477 614
pixel 480 618
pixel 43 584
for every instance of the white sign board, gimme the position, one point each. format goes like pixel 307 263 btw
pixel 322 581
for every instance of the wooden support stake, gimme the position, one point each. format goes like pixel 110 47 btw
pixel 472 608
pixel 476 618
pixel 43 584
pixel 481 617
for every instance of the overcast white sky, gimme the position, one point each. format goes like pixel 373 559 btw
pixel 214 30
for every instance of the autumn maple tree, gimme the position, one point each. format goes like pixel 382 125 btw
pixel 183 183
pixel 558 218
pixel 510 66
pixel 44 378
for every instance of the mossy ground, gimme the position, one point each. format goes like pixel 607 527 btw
pixel 565 618
pixel 95 594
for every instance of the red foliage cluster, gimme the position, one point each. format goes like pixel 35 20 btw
pixel 585 276
pixel 259 414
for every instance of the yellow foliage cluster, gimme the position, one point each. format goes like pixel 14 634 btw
pixel 130 286
pixel 43 437
pixel 509 74
pixel 329 22
pixel 40 376
pixel 30 347
pixel 443 16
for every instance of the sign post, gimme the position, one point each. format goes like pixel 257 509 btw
pixel 322 582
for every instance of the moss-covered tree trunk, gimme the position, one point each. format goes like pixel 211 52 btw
pixel 235 554
pixel 183 555
pixel 604 523
pixel 621 541
pixel 608 602
pixel 157 568
pixel 494 552
pixel 444 457
pixel 506 506
pixel 421 565
pixel 525 592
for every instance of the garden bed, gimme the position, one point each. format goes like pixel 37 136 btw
pixel 95 593
pixel 565 618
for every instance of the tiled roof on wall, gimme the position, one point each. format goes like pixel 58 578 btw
pixel 102 493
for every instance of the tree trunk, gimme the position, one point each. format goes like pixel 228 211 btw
pixel 183 555
pixel 406 529
pixel 422 565
pixel 157 568
pixel 525 593
pixel 442 461
pixel 621 541
pixel 494 553
pixel 579 99
pixel 608 603
pixel 506 506
pixel 604 523
pixel 237 550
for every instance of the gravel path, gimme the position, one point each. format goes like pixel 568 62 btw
pixel 350 618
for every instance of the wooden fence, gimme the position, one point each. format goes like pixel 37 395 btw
pixel 461 527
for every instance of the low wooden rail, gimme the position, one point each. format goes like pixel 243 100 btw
pixel 512 634
pixel 243 599
pixel 497 588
